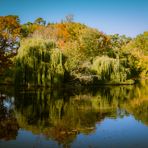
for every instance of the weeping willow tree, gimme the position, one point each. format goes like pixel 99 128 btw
pixel 38 62
pixel 110 70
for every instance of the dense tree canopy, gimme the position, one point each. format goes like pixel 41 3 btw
pixel 70 52
pixel 9 39
pixel 38 62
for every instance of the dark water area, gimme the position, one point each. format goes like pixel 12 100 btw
pixel 101 117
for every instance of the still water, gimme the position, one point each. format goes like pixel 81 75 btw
pixel 101 117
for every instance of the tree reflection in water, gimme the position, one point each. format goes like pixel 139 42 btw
pixel 61 115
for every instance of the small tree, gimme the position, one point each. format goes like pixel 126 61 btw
pixel 69 18
pixel 40 21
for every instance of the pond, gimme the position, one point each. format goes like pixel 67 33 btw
pixel 105 116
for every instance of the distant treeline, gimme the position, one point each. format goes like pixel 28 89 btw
pixel 40 54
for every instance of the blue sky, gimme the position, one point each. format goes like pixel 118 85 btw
pixel 129 17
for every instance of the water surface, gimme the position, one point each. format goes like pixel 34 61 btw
pixel 111 116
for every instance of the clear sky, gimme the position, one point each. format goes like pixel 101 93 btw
pixel 129 17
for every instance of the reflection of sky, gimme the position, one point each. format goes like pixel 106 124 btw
pixel 8 103
pixel 128 17
pixel 26 139
pixel 120 132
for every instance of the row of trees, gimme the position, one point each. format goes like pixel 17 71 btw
pixel 40 54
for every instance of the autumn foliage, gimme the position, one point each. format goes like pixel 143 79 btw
pixel 88 55
pixel 9 39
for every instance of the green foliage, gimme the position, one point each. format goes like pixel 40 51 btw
pixel 93 42
pixel 72 51
pixel 116 44
pixel 136 55
pixel 40 21
pixel 141 43
pixel 109 70
pixel 38 63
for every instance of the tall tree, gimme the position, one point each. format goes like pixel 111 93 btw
pixel 9 39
